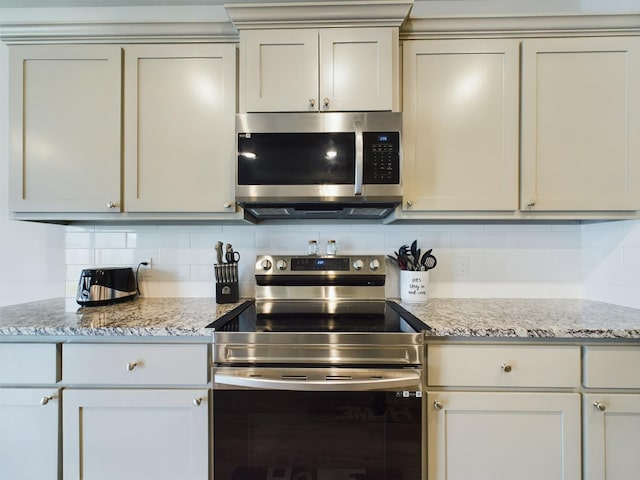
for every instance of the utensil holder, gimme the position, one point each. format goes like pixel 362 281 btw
pixel 227 290
pixel 414 286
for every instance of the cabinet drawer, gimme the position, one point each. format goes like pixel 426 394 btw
pixel 135 364
pixel 28 364
pixel 612 367
pixel 503 366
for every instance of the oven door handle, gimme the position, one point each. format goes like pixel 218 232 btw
pixel 318 379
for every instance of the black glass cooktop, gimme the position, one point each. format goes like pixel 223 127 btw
pixel 280 317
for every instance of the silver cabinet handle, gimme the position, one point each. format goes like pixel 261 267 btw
pixel 437 405
pixel 506 368
pixel 409 203
pixel 600 406
pixel 197 401
pixel 45 400
pixel 531 204
pixel 325 102
pixel 312 102
pixel 131 366
pixel 112 205
pixel 227 205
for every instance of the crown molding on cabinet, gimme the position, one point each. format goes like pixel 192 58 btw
pixel 388 13
pixel 138 32
pixel 520 26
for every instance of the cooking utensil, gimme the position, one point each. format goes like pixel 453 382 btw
pixel 230 255
pixel 428 261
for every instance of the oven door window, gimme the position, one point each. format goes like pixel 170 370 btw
pixel 285 435
pixel 296 159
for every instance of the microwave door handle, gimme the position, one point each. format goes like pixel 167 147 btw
pixel 359 157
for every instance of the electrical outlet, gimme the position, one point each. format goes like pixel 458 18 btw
pixel 143 270
pixel 462 266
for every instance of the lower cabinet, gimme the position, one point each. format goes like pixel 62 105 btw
pixel 611 412
pixel 503 435
pixel 505 411
pixel 611 436
pixel 136 434
pixel 29 419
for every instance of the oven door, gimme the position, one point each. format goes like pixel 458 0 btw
pixel 318 424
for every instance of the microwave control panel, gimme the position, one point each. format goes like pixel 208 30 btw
pixel 381 157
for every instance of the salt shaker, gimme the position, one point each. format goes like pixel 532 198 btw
pixel 332 247
pixel 312 248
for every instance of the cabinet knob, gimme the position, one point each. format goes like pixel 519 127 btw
pixel 409 203
pixel 227 205
pixel 112 205
pixel 45 400
pixel 506 368
pixel 531 204
pixel 312 102
pixel 131 366
pixel 600 406
pixel 197 401
pixel 325 102
pixel 437 405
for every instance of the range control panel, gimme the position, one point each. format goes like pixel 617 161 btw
pixel 313 265
pixel 381 157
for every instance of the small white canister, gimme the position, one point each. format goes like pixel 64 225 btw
pixel 414 286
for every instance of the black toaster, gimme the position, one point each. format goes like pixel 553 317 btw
pixel 105 286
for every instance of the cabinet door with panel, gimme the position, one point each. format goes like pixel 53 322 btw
pixel 611 415
pixel 180 105
pixel 300 70
pixel 152 434
pixel 65 107
pixel 580 123
pixel 460 105
pixel 611 436
pixel 29 411
pixel 29 423
pixel 503 435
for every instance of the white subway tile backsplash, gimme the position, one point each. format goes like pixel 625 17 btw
pixel 599 261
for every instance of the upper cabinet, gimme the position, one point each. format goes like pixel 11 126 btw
pixel 81 143
pixel 522 128
pixel 337 69
pixel 179 124
pixel 65 128
pixel 580 124
pixel 460 105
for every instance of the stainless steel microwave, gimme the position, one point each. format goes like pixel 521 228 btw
pixel 319 165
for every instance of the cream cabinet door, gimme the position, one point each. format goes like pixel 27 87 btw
pixel 279 70
pixel 180 105
pixel 358 69
pixel 460 104
pixel 29 433
pixel 300 70
pixel 580 124
pixel 611 436
pixel 505 435
pixel 65 110
pixel 135 434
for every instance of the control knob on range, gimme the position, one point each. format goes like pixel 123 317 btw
pixel 281 264
pixel 374 264
pixel 358 264
pixel 266 264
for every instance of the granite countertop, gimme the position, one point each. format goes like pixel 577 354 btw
pixel 447 317
pixel 141 317
pixel 527 318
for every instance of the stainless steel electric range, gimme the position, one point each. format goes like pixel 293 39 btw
pixel 319 377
